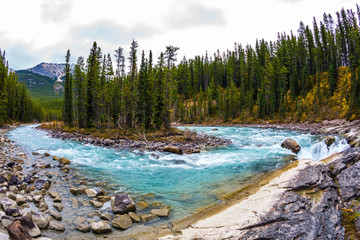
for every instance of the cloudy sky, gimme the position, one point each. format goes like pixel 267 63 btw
pixel 42 30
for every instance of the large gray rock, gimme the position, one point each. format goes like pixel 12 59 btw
pixel 122 203
pixel 308 210
pixel 349 182
pixel 291 144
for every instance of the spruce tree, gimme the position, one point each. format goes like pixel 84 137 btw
pixel 68 92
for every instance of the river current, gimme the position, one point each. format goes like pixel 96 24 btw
pixel 185 182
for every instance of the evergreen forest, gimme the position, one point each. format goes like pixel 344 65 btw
pixel 311 75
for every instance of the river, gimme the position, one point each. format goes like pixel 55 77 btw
pixel 186 182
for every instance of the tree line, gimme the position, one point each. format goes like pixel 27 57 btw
pixel 15 102
pixel 296 76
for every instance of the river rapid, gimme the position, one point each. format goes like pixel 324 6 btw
pixel 184 182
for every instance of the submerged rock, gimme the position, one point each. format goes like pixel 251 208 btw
pixel 122 203
pixel 291 144
pixel 164 212
pixel 329 140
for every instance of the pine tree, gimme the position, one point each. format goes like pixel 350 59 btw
pixel 159 102
pixel 68 93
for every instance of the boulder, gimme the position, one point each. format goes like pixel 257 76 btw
pixel 18 232
pixel 40 220
pixel 54 225
pixel 172 149
pixel 43 206
pixel 56 158
pixel 164 212
pixel 122 222
pixel 122 203
pixel 100 227
pixel 134 217
pixel 31 227
pixel 291 144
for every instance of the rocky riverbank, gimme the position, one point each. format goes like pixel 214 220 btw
pixel 179 142
pixel 304 200
pixel 42 196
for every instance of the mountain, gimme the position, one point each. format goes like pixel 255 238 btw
pixel 43 89
pixel 52 70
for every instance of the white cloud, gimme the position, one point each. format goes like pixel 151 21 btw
pixel 55 10
pixel 195 15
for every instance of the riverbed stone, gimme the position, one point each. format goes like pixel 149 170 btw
pixel 83 227
pixel 291 144
pixel 96 204
pixel 8 203
pixel 148 217
pixel 122 221
pixel 54 194
pixel 20 199
pixel 55 215
pixel 54 225
pixel 40 220
pixel 122 203
pixel 100 227
pixel 164 212
pixel 77 191
pixel 93 214
pixel 13 180
pixel 103 199
pixel 43 206
pixel 41 184
pixel 93 192
pixel 134 217
pixel 78 220
pixel 106 216
pixel 58 206
pixel 141 205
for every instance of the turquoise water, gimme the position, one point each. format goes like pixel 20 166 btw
pixel 185 182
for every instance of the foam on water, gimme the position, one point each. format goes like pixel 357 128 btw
pixel 184 182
